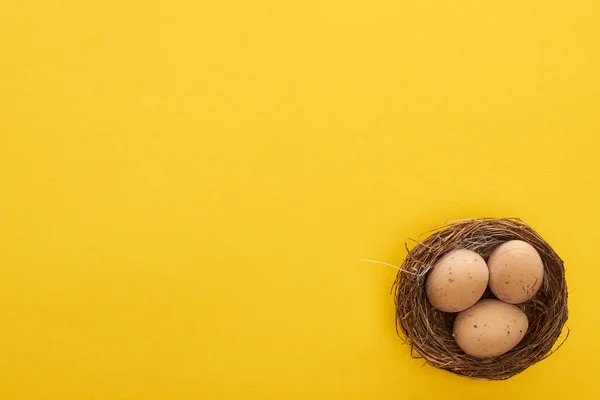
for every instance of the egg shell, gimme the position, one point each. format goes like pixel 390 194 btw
pixel 516 271
pixel 490 328
pixel 457 281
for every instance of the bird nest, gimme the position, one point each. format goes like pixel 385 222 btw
pixel 429 331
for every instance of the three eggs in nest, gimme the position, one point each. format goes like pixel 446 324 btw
pixel 488 327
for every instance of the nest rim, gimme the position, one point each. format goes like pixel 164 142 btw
pixel 429 331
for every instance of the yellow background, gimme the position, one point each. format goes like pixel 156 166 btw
pixel 186 188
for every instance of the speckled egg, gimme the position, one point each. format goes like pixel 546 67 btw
pixel 490 328
pixel 516 271
pixel 457 281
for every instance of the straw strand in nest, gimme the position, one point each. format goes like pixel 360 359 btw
pixel 429 331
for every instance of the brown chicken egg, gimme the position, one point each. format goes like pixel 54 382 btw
pixel 516 271
pixel 457 281
pixel 490 328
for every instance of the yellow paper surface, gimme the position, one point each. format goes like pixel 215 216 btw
pixel 186 188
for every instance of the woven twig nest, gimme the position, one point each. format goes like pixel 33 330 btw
pixel 429 331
